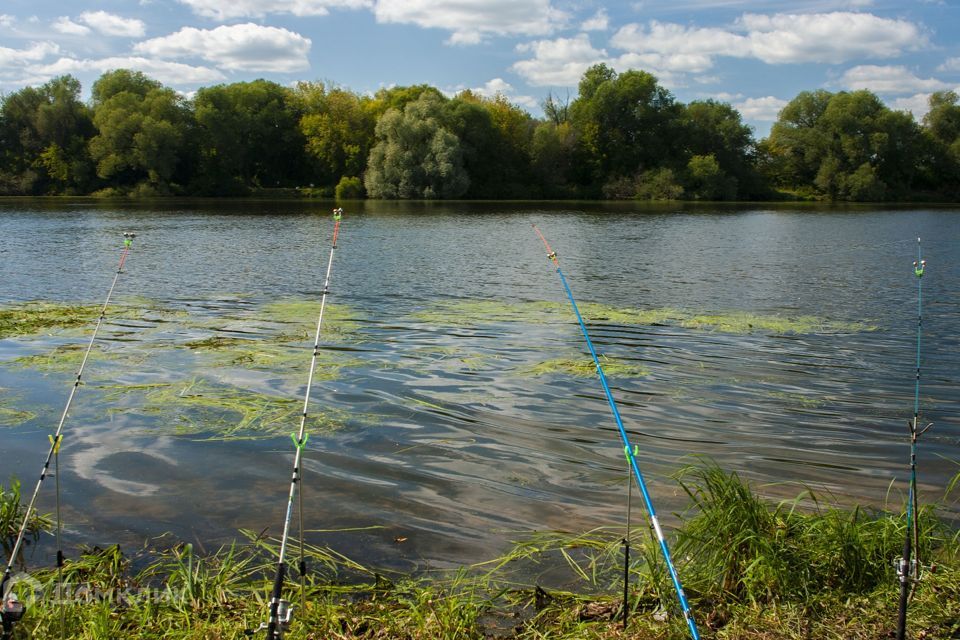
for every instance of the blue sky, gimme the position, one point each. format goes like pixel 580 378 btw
pixel 755 55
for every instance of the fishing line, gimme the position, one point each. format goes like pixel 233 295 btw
pixel 629 451
pixel 281 612
pixel 9 610
pixel 908 569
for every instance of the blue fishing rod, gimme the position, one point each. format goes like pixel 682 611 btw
pixel 630 451
pixel 11 610
pixel 280 610
pixel 908 569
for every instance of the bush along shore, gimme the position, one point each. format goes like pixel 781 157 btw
pixel 751 568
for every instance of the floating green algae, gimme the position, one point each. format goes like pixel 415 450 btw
pixel 339 321
pixel 474 312
pixel 742 322
pixel 217 342
pixel 31 318
pixel 36 317
pixel 796 399
pixel 66 358
pixel 11 416
pixel 198 406
pixel 585 367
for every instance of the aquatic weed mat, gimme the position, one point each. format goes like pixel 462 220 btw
pixel 479 312
pixel 40 317
pixel 215 411
pixel 10 415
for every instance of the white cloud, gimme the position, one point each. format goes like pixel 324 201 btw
pixel 660 64
pixel 599 22
pixel 470 21
pixel 37 51
pixel 65 25
pixel 723 96
pixel 950 64
pixel 779 38
pixel 225 10
pixel 766 109
pixel 6 20
pixel 500 86
pixel 888 79
pixel 240 47
pixel 918 105
pixel 829 37
pixel 161 70
pixel 558 62
pixel 113 25
pixel 674 39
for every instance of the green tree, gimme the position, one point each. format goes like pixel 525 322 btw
pixel 941 128
pixel 143 128
pixel 847 145
pixel 552 152
pixel 715 129
pixel 249 136
pixel 338 127
pixel 415 155
pixel 43 136
pixel 627 123
pixel 706 180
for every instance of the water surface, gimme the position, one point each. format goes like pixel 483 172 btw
pixel 435 426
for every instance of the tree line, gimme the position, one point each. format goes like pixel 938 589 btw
pixel 623 136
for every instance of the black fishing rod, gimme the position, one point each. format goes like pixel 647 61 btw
pixel 281 611
pixel 908 568
pixel 12 610
pixel 629 451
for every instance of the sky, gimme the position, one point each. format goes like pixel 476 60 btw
pixel 755 55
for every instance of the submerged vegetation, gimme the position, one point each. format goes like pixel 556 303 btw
pixel 467 312
pixel 584 368
pixel 35 317
pixel 229 373
pixel 752 570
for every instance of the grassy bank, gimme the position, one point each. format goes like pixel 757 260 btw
pixel 752 569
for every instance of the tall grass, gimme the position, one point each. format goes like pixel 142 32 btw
pixel 753 570
pixel 12 514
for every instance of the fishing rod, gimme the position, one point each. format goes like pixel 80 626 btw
pixel 12 610
pixel 281 611
pixel 629 451
pixel 908 569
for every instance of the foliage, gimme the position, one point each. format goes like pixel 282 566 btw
pixel 416 156
pixel 338 128
pixel 142 130
pixel 624 136
pixel 249 137
pixel 349 188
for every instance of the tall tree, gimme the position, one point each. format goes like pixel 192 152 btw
pixel 715 129
pixel 416 156
pixel 627 123
pixel 846 146
pixel 249 135
pixel 43 136
pixel 338 126
pixel 143 128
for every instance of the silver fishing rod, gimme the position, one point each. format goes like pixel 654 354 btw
pixel 281 611
pixel 12 611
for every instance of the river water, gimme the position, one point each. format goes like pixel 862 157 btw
pixel 454 403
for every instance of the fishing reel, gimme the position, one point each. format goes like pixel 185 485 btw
pixel 11 612
pixel 916 572
pixel 284 618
